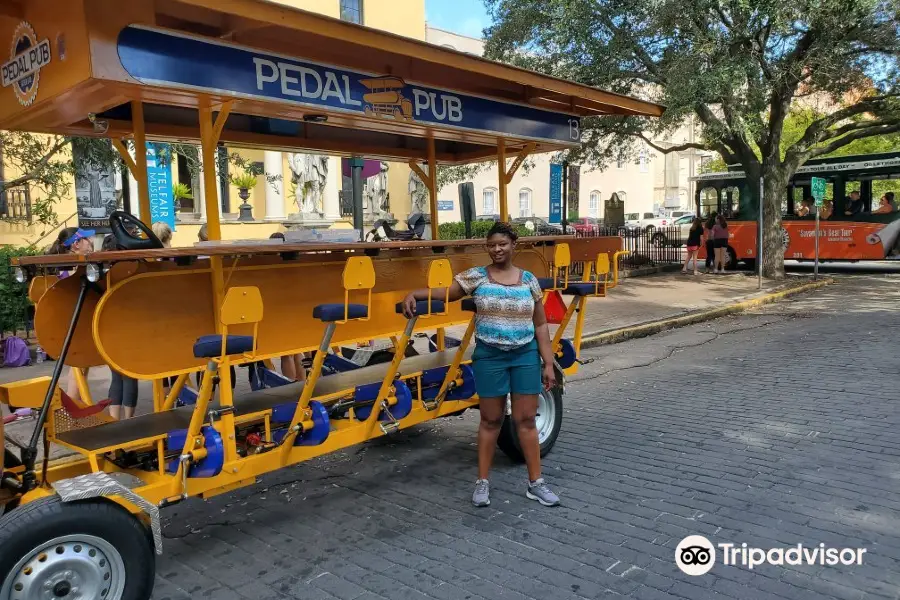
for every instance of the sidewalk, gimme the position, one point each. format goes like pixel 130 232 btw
pixel 636 300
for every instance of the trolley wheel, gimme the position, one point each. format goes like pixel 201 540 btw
pixel 731 259
pixel 88 549
pixel 548 423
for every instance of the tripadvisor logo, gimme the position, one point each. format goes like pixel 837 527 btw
pixel 696 555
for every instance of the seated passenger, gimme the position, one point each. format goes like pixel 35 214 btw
pixel 886 205
pixel 855 206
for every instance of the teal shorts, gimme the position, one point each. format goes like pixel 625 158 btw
pixel 500 372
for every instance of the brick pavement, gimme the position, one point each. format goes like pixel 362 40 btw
pixel 773 428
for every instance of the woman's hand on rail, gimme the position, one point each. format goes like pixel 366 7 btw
pixel 409 305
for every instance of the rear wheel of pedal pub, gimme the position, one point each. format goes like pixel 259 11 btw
pixel 547 422
pixel 92 549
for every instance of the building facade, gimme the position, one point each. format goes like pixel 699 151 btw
pixel 314 190
pixel 651 183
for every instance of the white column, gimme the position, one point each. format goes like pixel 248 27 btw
pixel 200 196
pixel 331 202
pixel 274 191
pixel 133 194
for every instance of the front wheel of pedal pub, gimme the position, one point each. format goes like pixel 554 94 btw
pixel 224 76
pixel 80 550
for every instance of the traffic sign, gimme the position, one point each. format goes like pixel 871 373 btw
pixel 818 190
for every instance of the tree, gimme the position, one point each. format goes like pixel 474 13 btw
pixel 740 66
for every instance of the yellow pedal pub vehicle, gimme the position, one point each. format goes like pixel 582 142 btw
pixel 256 74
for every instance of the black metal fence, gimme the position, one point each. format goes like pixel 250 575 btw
pixel 648 247
pixel 15 204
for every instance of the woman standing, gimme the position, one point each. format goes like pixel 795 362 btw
pixel 695 234
pixel 720 243
pixel 512 337
pixel 710 244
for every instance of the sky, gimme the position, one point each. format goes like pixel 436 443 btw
pixel 466 17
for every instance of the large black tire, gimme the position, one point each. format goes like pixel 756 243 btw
pixel 108 544
pixel 508 441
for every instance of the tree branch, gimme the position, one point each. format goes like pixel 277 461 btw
pixel 33 173
pixel 852 137
pixel 670 149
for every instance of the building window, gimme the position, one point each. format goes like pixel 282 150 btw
pixel 351 10
pixel 594 204
pixel 643 161
pixel 620 164
pixel 489 195
pixel 525 202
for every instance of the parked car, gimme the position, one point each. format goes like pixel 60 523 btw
pixel 539 226
pixel 585 224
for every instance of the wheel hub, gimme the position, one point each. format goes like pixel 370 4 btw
pixel 546 416
pixel 78 567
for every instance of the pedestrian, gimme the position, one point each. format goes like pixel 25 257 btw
pixel 163 232
pixel 202 234
pixel 695 234
pixel 512 337
pixel 123 390
pixel 720 243
pixel 75 242
pixel 710 243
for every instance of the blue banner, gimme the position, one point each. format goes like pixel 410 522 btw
pixel 555 193
pixel 160 57
pixel 159 182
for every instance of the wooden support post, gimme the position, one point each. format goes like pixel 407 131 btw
pixel 501 170
pixel 140 160
pixel 209 138
pixel 432 188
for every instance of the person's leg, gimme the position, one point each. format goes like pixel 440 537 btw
pixel 524 410
pixel 288 367
pixel 115 394
pixel 491 410
pixel 526 385
pixel 710 255
pixel 129 396
pixel 687 259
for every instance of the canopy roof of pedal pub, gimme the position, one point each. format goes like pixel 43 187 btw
pixel 298 81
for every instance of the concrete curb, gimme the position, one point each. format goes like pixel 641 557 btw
pixel 643 271
pixel 614 336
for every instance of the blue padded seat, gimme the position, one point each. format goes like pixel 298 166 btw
pixel 210 346
pixel 468 304
pixel 582 289
pixel 437 306
pixel 335 312
pixel 546 283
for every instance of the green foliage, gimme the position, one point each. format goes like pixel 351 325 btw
pixel 736 67
pixel 457 230
pixel 245 180
pixel 14 300
pixel 181 190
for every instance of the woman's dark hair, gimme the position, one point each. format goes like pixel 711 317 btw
pixel 57 246
pixel 109 243
pixel 696 223
pixel 277 236
pixel 501 228
pixel 711 220
pixel 722 222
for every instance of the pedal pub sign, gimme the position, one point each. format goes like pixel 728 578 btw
pixel 28 56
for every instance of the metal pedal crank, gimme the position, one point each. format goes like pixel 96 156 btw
pixel 393 425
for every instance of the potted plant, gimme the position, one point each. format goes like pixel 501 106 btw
pixel 180 191
pixel 243 183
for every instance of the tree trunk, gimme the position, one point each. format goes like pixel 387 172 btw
pixel 774 185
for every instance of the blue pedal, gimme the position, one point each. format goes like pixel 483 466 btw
pixel 187 397
pixel 284 413
pixel 211 465
pixel 262 378
pixel 432 379
pixel 339 364
pixel 399 410
pixel 568 357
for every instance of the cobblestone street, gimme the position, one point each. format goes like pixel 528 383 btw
pixel 775 428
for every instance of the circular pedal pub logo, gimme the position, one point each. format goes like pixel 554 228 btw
pixel 26 58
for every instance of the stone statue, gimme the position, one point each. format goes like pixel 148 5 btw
pixel 376 193
pixel 309 173
pixel 418 192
